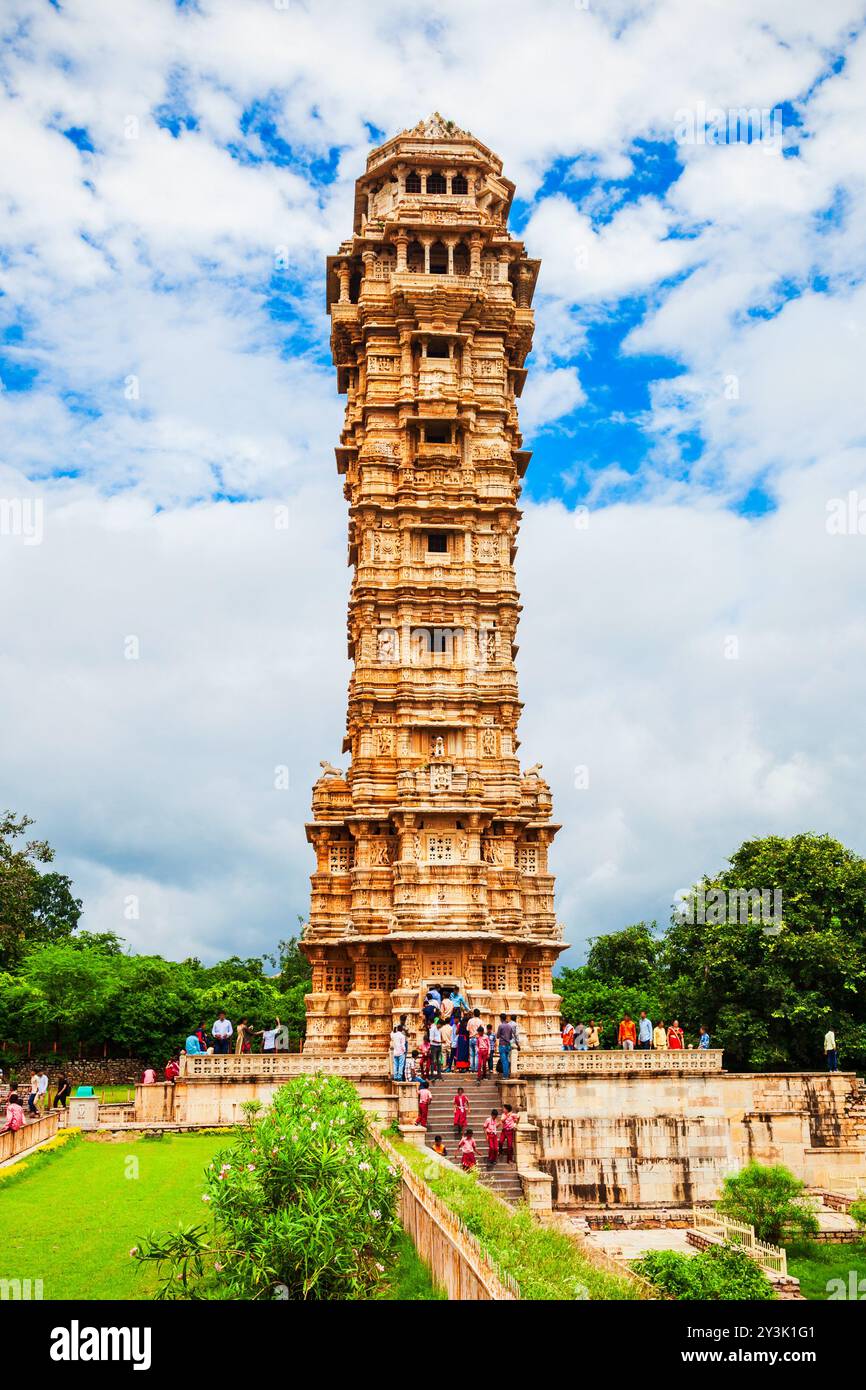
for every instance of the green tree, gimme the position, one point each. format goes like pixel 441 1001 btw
pixel 629 956
pixel 768 991
pixel 35 907
pixel 772 1200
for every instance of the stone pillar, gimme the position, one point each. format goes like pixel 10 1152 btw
pixel 344 273
pixel 401 241
pixel 476 241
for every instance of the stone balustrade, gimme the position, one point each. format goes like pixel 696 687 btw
pixel 615 1062
pixel 279 1065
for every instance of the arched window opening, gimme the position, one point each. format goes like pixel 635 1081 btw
pixel 413 182
pixel 461 258
pixel 415 257
pixel 438 258
pixel 436 183
pixel 459 184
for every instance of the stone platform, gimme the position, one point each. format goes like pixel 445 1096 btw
pixel 601 1130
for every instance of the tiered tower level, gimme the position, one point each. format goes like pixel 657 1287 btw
pixel 432 850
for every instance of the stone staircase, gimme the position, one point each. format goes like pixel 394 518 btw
pixel 484 1097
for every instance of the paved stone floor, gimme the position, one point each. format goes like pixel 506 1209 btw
pixel 630 1245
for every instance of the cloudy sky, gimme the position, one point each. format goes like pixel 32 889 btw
pixel 692 553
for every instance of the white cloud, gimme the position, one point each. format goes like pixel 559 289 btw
pixel 152 257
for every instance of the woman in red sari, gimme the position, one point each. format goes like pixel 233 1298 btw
pixel 676 1037
pixel 461 1050
pixel 423 1102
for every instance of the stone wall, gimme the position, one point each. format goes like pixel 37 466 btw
pixel 84 1071
pixel 670 1139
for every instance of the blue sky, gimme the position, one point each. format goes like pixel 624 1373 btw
pixel 180 173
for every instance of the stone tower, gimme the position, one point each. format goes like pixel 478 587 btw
pixel 431 850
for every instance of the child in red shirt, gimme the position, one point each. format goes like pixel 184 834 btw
pixel 491 1129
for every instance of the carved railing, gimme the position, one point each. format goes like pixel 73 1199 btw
pixel 447 1247
pixel 613 1062
pixel 708 1220
pixel 34 1132
pixel 279 1065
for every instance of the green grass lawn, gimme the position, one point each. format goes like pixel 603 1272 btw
pixel 71 1218
pixel 545 1263
pixel 815 1265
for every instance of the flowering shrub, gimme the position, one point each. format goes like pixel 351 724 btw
pixel 302 1206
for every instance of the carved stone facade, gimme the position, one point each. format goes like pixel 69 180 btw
pixel 432 850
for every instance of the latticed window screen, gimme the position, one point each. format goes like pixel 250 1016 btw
pixel 529 978
pixel 442 967
pixel 493 977
pixel 339 979
pixel 340 858
pixel 527 859
pixel 383 976
pixel 440 849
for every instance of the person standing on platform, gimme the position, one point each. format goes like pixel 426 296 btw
pixel 645 1032
pixel 222 1032
pixel 676 1037
pixel 482 1055
pixel 473 1025
pixel 461 1112
pixel 410 1071
pixel 660 1037
pixel 627 1036
pixel 424 1067
pixel 505 1037
pixel 42 1098
pixel 704 1039
pixel 580 1038
pixel 242 1037
pixel 593 1037
pixel 399 1045
pixel 33 1095
pixel 62 1094
pixel 447 1042
pixel 435 1049
pixel 568 1037
pixel 830 1051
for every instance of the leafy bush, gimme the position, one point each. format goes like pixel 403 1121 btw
pixel 721 1272
pixel 303 1206
pixel 772 1200
pixel 858 1211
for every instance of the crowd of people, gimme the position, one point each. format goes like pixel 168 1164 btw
pixel 499 1130
pixel 631 1035
pixel 274 1039
pixel 452 1037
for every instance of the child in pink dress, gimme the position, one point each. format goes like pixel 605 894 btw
pixel 468 1151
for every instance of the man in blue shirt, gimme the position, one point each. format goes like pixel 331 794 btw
pixel 705 1038
pixel 645 1031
